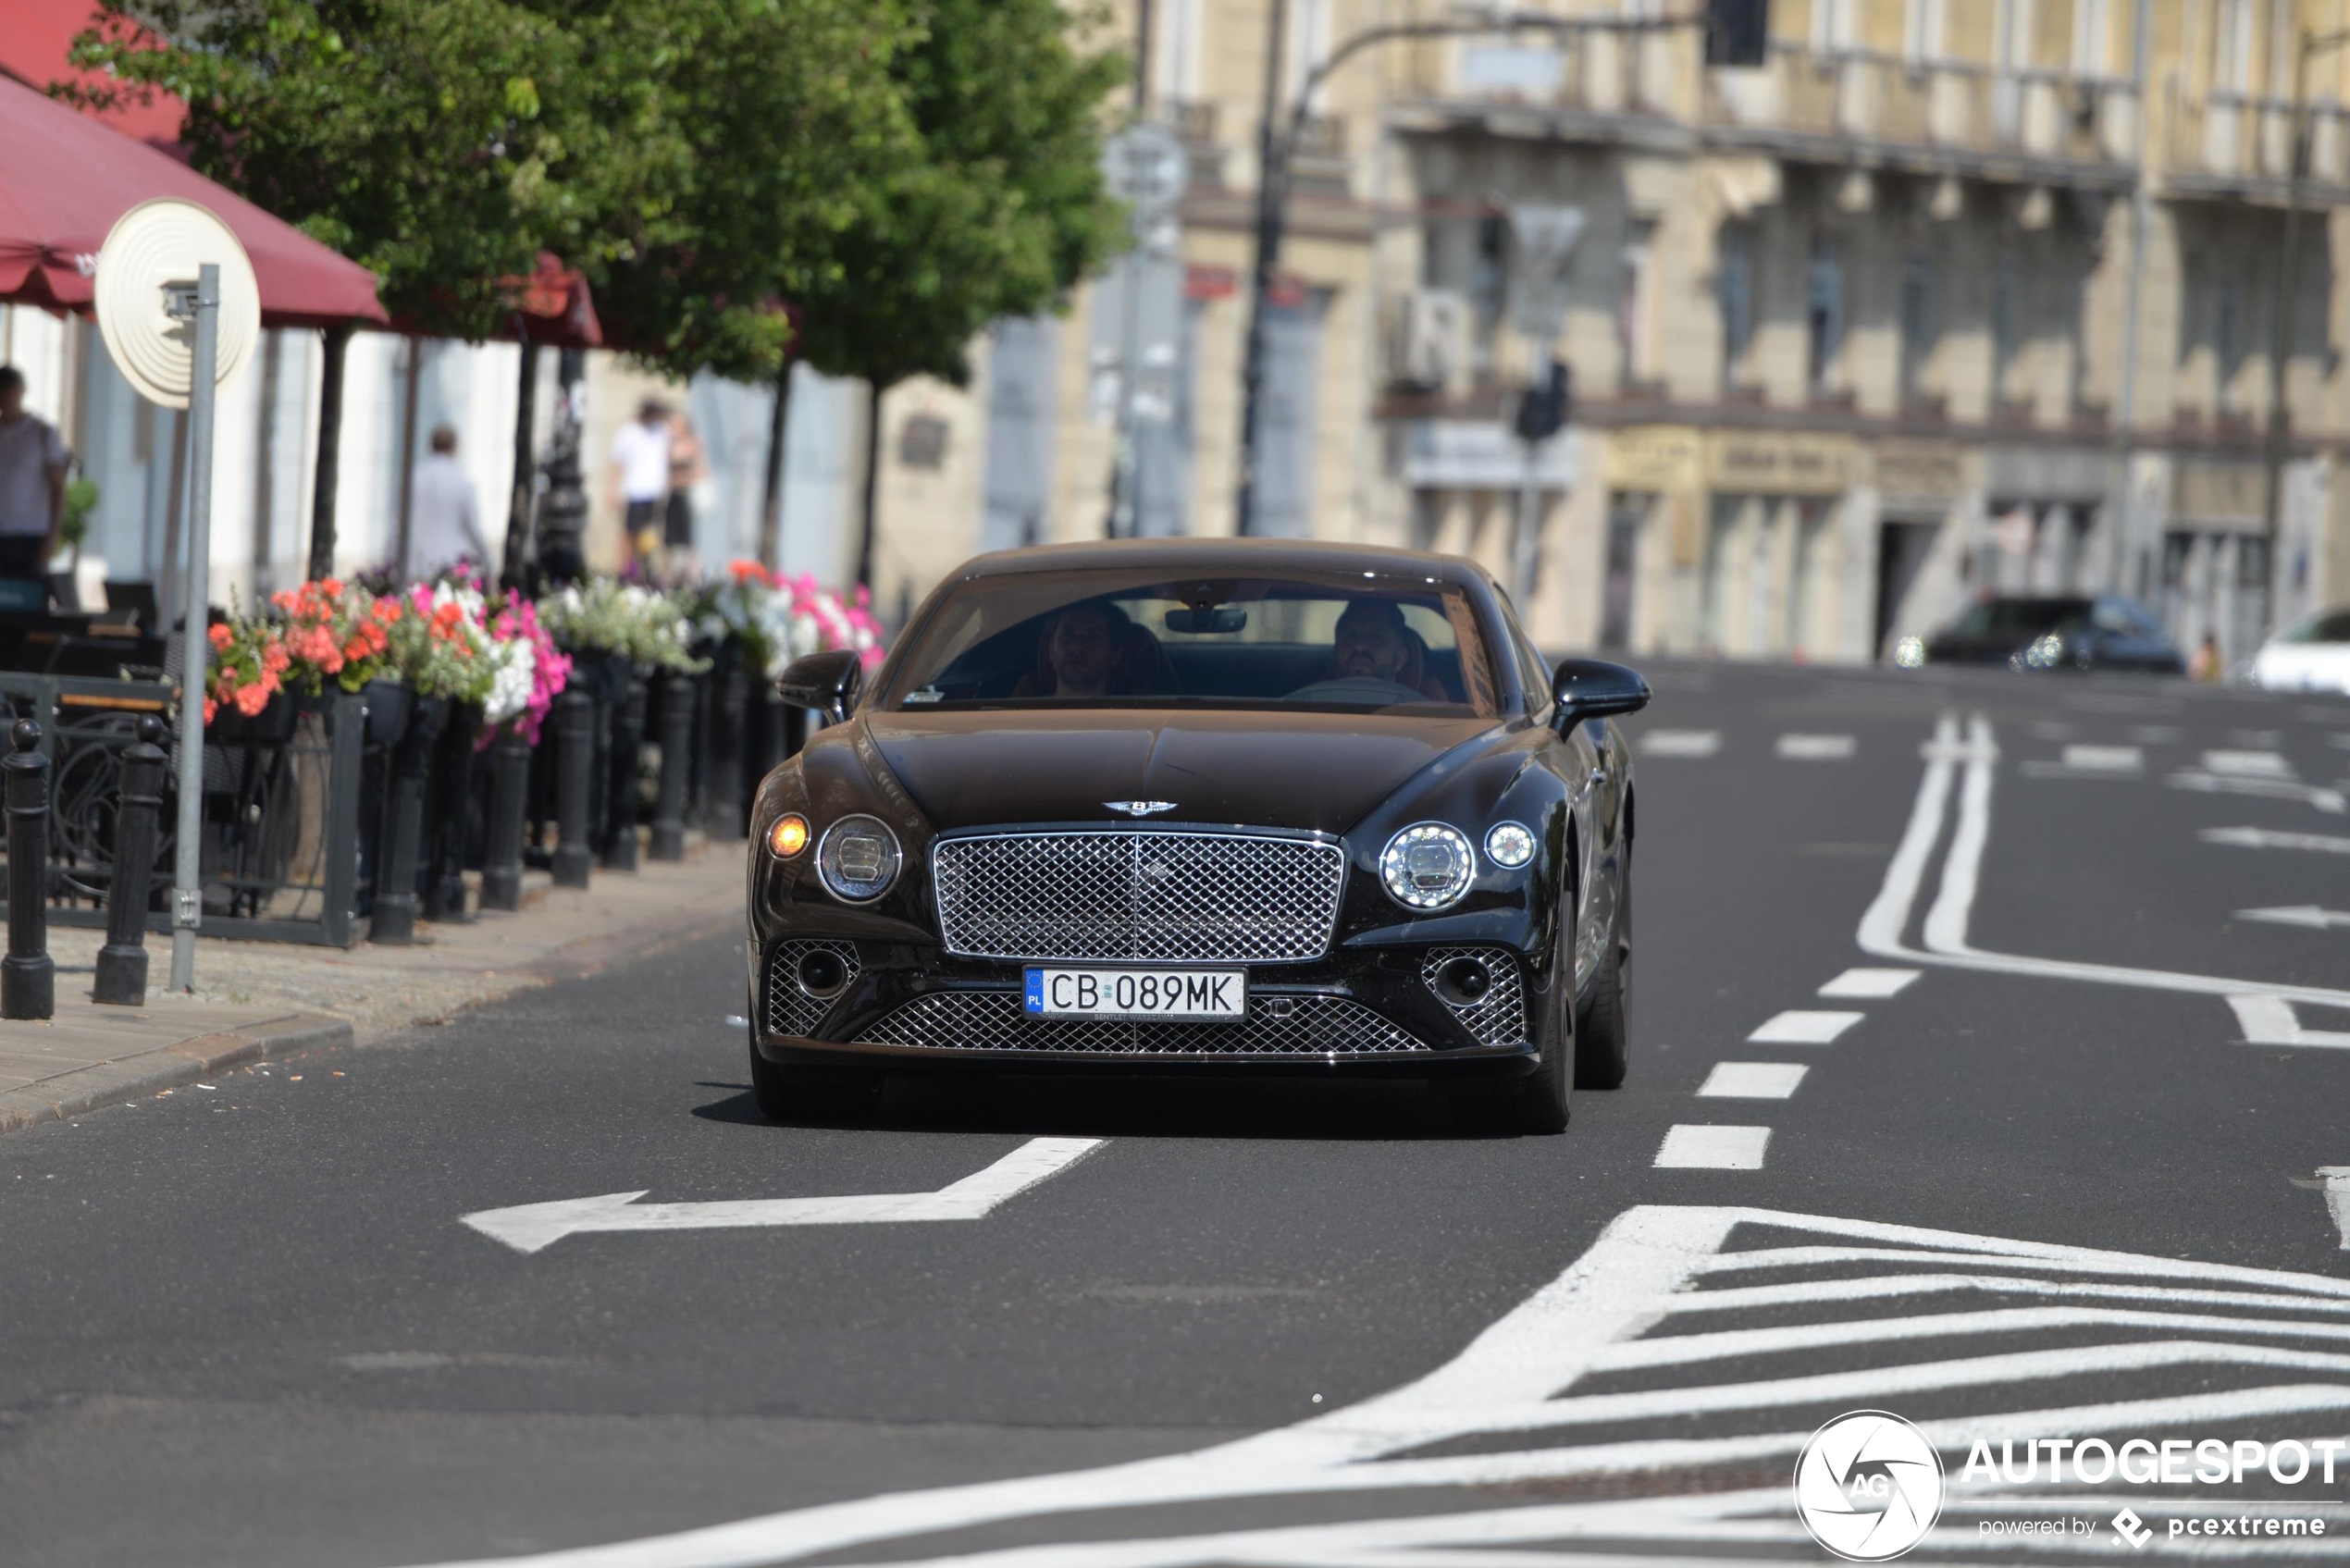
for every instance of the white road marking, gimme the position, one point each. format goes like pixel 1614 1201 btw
pixel 2324 799
pixel 2307 915
pixel 2248 764
pixel 1800 1027
pixel 529 1228
pixel 2262 838
pixel 2104 758
pixel 2337 1180
pixel 1884 923
pixel 2270 1020
pixel 1816 748
pixel 1869 983
pixel 1680 743
pixel 1520 1376
pixel 1751 1080
pixel 1691 1147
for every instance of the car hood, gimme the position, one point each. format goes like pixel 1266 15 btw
pixel 1289 769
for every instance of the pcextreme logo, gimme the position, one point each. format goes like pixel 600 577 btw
pixel 1868 1486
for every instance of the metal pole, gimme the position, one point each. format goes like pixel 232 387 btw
pixel 28 975
pixel 1272 168
pixel 1530 500
pixel 1125 507
pixel 2121 515
pixel 2281 331
pixel 121 977
pixel 195 641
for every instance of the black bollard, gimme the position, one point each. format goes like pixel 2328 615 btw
pixel 122 962
pixel 729 727
pixel 574 754
pixel 28 975
pixel 450 814
pixel 509 806
pixel 676 745
pixel 620 798
pixel 395 918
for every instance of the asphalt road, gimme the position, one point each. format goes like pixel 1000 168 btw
pixel 1297 1323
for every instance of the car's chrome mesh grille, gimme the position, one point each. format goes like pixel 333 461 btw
pixel 1498 1018
pixel 1138 896
pixel 791 1010
pixel 1276 1026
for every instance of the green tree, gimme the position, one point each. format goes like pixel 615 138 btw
pixel 998 211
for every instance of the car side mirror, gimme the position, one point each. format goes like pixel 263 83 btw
pixel 829 681
pixel 1592 689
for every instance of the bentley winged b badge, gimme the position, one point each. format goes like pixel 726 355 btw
pixel 1140 807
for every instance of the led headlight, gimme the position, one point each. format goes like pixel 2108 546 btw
pixel 1509 845
pixel 858 858
pixel 1428 865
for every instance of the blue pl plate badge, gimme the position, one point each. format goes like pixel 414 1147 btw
pixel 1036 990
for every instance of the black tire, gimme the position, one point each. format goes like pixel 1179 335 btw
pixel 1603 1032
pixel 801 1094
pixel 1536 1105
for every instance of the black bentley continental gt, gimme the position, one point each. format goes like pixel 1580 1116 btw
pixel 1202 804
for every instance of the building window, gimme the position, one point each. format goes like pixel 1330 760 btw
pixel 1489 288
pixel 1632 300
pixel 2006 322
pixel 1734 278
pixel 1824 313
pixel 1922 29
pixel 2092 26
pixel 1832 25
pixel 1918 326
pixel 2232 47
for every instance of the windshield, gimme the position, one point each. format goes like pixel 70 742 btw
pixel 1106 639
pixel 2011 615
pixel 2330 625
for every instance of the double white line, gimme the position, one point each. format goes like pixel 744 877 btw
pixel 1885 923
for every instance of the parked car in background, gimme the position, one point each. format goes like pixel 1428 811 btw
pixel 2313 654
pixel 2058 632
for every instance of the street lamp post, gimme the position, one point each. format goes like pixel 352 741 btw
pixel 1277 146
pixel 2309 47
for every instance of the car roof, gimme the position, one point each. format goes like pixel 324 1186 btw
pixel 1186 557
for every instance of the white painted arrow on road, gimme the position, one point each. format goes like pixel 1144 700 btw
pixel 2298 915
pixel 527 1228
pixel 2262 838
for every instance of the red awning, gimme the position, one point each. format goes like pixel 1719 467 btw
pixel 552 307
pixel 36 37
pixel 64 180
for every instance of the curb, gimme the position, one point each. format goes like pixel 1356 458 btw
pixel 166 1066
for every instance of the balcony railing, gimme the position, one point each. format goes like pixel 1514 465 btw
pixel 2230 137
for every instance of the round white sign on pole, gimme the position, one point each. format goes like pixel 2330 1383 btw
pixel 147 268
pixel 1146 165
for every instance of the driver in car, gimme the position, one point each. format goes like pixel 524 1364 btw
pixel 1374 654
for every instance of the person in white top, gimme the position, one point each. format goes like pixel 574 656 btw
pixel 640 477
pixel 32 483
pixel 445 521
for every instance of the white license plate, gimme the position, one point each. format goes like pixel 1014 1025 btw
pixel 1138 993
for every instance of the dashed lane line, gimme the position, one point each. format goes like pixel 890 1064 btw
pixel 1753 1081
pixel 1802 1027
pixel 1869 983
pixel 1692 1146
pixel 1816 748
pixel 1680 743
pixel 2244 764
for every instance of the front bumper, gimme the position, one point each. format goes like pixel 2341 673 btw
pixel 1372 1011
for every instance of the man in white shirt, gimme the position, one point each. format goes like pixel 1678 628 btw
pixel 445 521
pixel 32 483
pixel 640 475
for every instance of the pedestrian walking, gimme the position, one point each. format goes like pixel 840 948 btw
pixel 688 466
pixel 33 485
pixel 2205 665
pixel 447 518
pixel 640 477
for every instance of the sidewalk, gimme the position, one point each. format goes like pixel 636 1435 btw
pixel 254 1000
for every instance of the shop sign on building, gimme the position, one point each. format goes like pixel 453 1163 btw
pixel 2227 494
pixel 1781 462
pixel 1921 471
pixel 1473 454
pixel 1662 458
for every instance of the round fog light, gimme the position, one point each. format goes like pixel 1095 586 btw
pixel 1510 844
pixel 1464 983
pixel 822 972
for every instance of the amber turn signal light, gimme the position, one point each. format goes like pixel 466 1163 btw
pixel 788 836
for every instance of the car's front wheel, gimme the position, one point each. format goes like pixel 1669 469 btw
pixel 796 1094
pixel 1536 1103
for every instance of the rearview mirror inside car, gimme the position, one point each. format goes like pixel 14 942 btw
pixel 1207 620
pixel 1592 689
pixel 829 681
